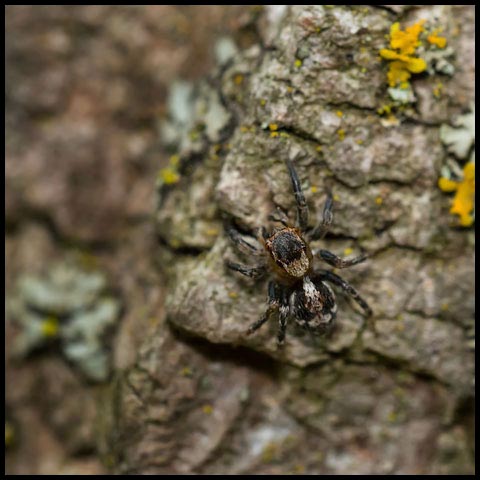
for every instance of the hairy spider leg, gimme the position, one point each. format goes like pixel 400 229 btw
pixel 338 262
pixel 283 318
pixel 322 228
pixel 345 286
pixel 252 272
pixel 279 216
pixel 302 208
pixel 240 243
pixel 273 304
pixel 282 324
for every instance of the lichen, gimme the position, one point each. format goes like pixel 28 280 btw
pixel 68 306
pixel 403 45
pixel 415 50
pixel 463 202
pixel 460 137
pixel 459 140
pixel 434 39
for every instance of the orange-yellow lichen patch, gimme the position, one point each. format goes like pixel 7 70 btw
pixel 463 202
pixel 406 41
pixel 434 39
pixel 402 46
pixel 238 79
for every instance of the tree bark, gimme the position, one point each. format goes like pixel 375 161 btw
pixel 390 396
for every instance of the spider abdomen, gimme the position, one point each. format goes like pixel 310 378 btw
pixel 314 306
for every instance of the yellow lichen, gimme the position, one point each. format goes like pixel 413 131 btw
pixel 194 135
pixel 50 327
pixel 341 134
pixel 463 202
pixel 212 232
pixel 168 175
pixel 174 160
pixel 233 295
pixel 269 452
pixel 348 251
pixel 402 46
pixel 273 127
pixel 274 134
pixel 314 189
pixel 406 41
pixel 437 90
pixel 298 63
pixel 207 409
pixel 339 113
pixel 263 102
pixel 9 434
pixel 299 469
pixel 434 39
pixel 379 200
pixel 238 79
pixel 186 372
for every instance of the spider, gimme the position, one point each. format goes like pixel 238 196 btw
pixel 297 290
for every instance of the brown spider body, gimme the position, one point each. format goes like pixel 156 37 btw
pixel 297 290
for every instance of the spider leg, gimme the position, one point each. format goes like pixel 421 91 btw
pixel 285 313
pixel 302 209
pixel 240 243
pixel 272 307
pixel 338 262
pixel 346 287
pixel 322 228
pixel 279 216
pixel 252 272
pixel 282 324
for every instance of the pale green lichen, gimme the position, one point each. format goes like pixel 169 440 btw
pixel 68 305
pixel 460 137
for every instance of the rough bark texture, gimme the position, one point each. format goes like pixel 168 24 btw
pixel 191 393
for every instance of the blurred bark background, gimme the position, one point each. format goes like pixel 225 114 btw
pixel 114 165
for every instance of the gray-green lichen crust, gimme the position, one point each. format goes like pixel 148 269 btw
pixel 68 305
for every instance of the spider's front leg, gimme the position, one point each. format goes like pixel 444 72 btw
pixel 302 208
pixel 336 261
pixel 331 277
pixel 322 228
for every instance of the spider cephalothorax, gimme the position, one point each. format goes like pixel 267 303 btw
pixel 297 290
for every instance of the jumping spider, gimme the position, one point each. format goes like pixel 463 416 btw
pixel 297 290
